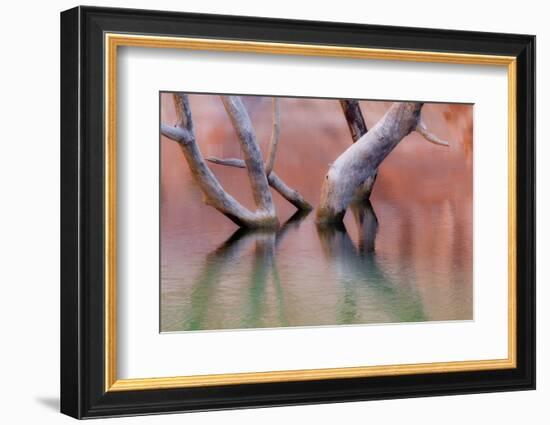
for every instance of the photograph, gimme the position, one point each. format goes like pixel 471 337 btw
pixel 281 212
pixel 291 209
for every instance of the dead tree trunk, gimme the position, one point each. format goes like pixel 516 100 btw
pixel 354 118
pixel 291 195
pixel 351 177
pixel 214 194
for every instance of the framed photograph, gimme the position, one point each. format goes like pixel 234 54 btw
pixel 261 212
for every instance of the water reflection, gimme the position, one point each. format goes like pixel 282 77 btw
pixel 356 270
pixel 263 266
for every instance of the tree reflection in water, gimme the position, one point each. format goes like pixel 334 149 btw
pixel 356 269
pixel 264 263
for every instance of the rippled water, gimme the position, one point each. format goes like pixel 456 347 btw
pixel 404 257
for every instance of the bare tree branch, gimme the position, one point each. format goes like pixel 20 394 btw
pixel 180 135
pixel 291 195
pixel 183 113
pixel 351 176
pixel 230 162
pixel 213 192
pixel 432 138
pixel 354 118
pixel 358 128
pixel 274 137
pixel 273 180
pixel 252 156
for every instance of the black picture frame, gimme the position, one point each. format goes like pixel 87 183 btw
pixel 83 392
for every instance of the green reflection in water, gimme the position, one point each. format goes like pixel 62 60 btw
pixel 356 270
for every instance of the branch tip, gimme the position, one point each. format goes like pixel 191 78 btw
pixel 432 138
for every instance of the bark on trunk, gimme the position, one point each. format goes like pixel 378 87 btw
pixel 291 195
pixel 351 176
pixel 252 156
pixel 357 128
pixel 354 118
pixel 214 194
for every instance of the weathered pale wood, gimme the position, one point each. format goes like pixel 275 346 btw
pixel 432 138
pixel 273 179
pixel 275 134
pixel 349 179
pixel 229 162
pixel 291 195
pixel 351 176
pixel 236 110
pixel 358 128
pixel 183 112
pixel 354 118
pixel 214 194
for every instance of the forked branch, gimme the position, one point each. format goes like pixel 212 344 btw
pixel 214 194
pixel 291 195
pixel 236 110
pixel 351 177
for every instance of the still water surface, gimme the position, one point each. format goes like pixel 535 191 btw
pixel 404 257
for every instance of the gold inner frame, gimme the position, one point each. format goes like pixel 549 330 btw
pixel 113 41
